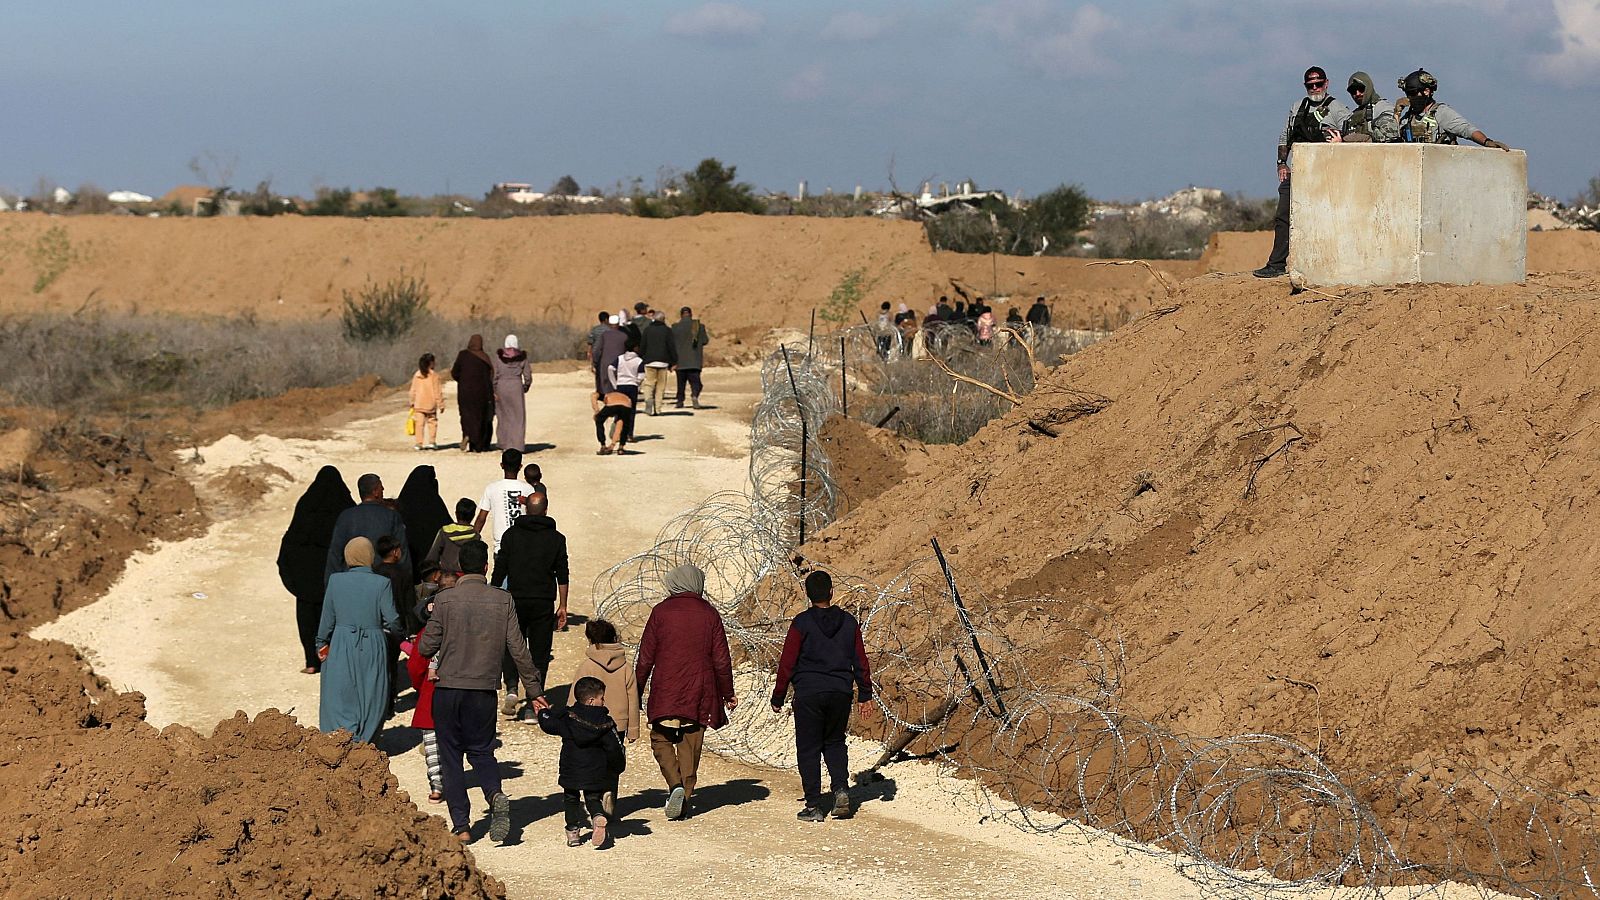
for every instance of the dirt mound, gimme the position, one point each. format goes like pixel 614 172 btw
pixel 1548 251
pixel 100 803
pixel 867 461
pixel 1386 498
pixel 1083 293
pixel 737 271
pixel 742 274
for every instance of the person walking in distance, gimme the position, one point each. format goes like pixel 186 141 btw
pixel 1311 121
pixel 690 336
pixel 427 401
pixel 472 627
pixel 823 657
pixel 473 373
pixel 659 350
pixel 531 562
pixel 685 664
pixel 512 378
pixel 608 346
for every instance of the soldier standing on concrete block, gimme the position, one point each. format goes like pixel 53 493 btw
pixel 1310 122
pixel 1368 123
pixel 1424 120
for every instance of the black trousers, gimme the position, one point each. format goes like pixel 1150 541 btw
pixel 688 378
pixel 820 720
pixel 463 723
pixel 582 805
pixel 1280 228
pixel 631 391
pixel 537 622
pixel 307 616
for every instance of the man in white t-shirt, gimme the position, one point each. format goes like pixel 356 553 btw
pixel 502 500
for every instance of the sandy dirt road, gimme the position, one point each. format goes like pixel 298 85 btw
pixel 203 628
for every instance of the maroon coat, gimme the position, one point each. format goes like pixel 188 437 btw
pixel 686 650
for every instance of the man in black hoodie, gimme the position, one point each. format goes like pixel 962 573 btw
pixel 533 557
pixel 659 350
pixel 822 656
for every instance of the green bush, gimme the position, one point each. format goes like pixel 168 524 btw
pixel 846 297
pixel 384 312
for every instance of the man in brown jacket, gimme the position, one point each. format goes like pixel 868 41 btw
pixel 473 627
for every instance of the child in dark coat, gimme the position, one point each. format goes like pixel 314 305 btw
pixel 591 758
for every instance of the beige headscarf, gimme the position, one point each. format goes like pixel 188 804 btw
pixel 686 579
pixel 358 552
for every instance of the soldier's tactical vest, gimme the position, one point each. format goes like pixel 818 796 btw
pixel 1360 121
pixel 1424 128
pixel 1308 121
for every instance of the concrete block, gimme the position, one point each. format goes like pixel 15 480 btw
pixel 1406 213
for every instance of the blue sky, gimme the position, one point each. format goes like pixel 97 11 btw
pixel 1130 99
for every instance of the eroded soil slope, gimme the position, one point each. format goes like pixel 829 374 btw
pixel 1365 521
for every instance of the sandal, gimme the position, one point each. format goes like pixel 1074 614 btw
pixel 310 670
pixel 435 797
pixel 607 450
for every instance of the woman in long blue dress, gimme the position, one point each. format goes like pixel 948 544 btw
pixel 356 611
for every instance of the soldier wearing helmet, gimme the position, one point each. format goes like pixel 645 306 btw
pixel 1424 120
pixel 1311 120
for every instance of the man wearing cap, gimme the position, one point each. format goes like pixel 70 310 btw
pixel 1310 121
pixel 607 347
pixel 1423 120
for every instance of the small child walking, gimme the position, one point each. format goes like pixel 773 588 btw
pixel 607 660
pixel 592 757
pixel 423 676
pixel 427 401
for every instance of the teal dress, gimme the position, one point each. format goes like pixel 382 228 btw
pixel 357 610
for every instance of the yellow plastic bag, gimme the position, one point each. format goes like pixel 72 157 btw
pixel 411 421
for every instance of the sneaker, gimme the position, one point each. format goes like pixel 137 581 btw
pixel 416 447
pixel 574 837
pixel 697 403
pixel 811 814
pixel 597 840
pixel 608 802
pixel 508 706
pixel 675 803
pixel 499 818
pixel 1271 271
pixel 841 804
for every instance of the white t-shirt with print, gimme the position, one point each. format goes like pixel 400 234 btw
pixel 503 500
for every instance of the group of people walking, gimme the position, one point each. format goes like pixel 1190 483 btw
pixel 490 394
pixel 900 334
pixel 631 358
pixel 390 580
pixel 1320 117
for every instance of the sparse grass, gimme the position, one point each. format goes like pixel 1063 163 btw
pixel 51 256
pixel 105 362
pixel 936 409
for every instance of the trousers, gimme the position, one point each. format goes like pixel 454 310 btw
pixel 820 720
pixel 463 723
pixel 537 621
pixel 581 806
pixel 655 388
pixel 307 616
pixel 677 752
pixel 688 378
pixel 1280 228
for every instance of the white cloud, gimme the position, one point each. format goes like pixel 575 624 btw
pixel 1577 56
pixel 716 20
pixel 807 84
pixel 855 25
pixel 1063 40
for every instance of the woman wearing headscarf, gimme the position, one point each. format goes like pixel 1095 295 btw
pixel 684 659
pixel 357 615
pixel 303 553
pixel 473 373
pixel 512 378
pixel 424 513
